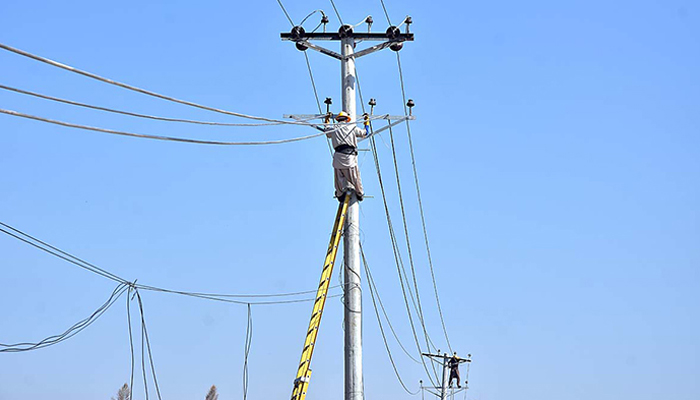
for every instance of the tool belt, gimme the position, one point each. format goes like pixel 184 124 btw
pixel 346 149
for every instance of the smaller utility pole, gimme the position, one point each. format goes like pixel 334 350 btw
pixel 444 359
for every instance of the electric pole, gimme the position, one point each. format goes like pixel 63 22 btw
pixel 393 38
pixel 444 359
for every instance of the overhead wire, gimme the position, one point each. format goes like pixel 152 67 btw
pixel 318 101
pixel 285 12
pixel 421 317
pixel 386 13
pixel 372 290
pixel 71 331
pixel 397 255
pixel 139 115
pixel 246 352
pixel 59 253
pixel 159 137
pixel 420 202
pixel 131 340
pixel 309 16
pixel 141 90
pixel 148 344
pixel 56 252
pixel 336 12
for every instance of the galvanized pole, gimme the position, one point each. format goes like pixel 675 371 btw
pixel 353 290
pixel 445 376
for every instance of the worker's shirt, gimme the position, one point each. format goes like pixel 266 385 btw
pixel 453 363
pixel 344 136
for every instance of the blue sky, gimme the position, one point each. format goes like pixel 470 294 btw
pixel 557 150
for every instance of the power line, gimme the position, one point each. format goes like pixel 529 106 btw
pixel 408 240
pixel 381 328
pixel 43 246
pixel 310 14
pixel 133 114
pixel 70 332
pixel 420 202
pixel 140 90
pixel 158 137
pixel 336 12
pixel 246 351
pixel 397 255
pixel 148 344
pixel 386 13
pixel 56 252
pixel 285 12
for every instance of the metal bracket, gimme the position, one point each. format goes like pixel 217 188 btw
pixel 320 49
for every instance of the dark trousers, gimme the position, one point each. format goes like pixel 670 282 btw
pixel 454 374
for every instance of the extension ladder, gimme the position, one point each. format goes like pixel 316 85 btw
pixel 301 383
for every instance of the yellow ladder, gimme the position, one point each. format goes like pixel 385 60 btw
pixel 301 383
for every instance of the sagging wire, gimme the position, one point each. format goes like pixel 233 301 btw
pixel 79 262
pixel 246 352
pixel 323 16
pixel 408 240
pixel 336 12
pixel 139 115
pixel 284 10
pixel 372 290
pixel 70 332
pixel 144 91
pixel 397 255
pixel 420 202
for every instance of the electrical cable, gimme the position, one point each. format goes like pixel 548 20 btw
pixel 372 289
pixel 309 16
pixel 46 247
pixel 420 203
pixel 337 13
pixel 397 255
pixel 158 137
pixel 408 240
pixel 63 255
pixel 148 344
pixel 138 115
pixel 131 340
pixel 318 101
pixel 143 91
pixel 246 352
pixel 70 332
pixel 386 316
pixel 386 13
pixel 285 12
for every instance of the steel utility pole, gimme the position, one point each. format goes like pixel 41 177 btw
pixel 444 359
pixel 393 38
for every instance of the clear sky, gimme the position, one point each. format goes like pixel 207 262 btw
pixel 558 150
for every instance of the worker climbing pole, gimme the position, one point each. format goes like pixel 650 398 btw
pixel 301 382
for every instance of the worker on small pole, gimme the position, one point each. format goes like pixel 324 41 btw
pixel 344 139
pixel 453 363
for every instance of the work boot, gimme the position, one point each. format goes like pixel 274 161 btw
pixel 360 197
pixel 341 198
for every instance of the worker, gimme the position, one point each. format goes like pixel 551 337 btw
pixel 453 363
pixel 344 139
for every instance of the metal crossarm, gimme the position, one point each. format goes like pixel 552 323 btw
pixel 301 382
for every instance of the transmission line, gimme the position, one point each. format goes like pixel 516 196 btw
pixel 397 255
pixel 336 12
pixel 408 241
pixel 372 290
pixel 158 137
pixel 143 91
pixel 146 116
pixel 420 202
pixel 228 298
pixel 70 332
